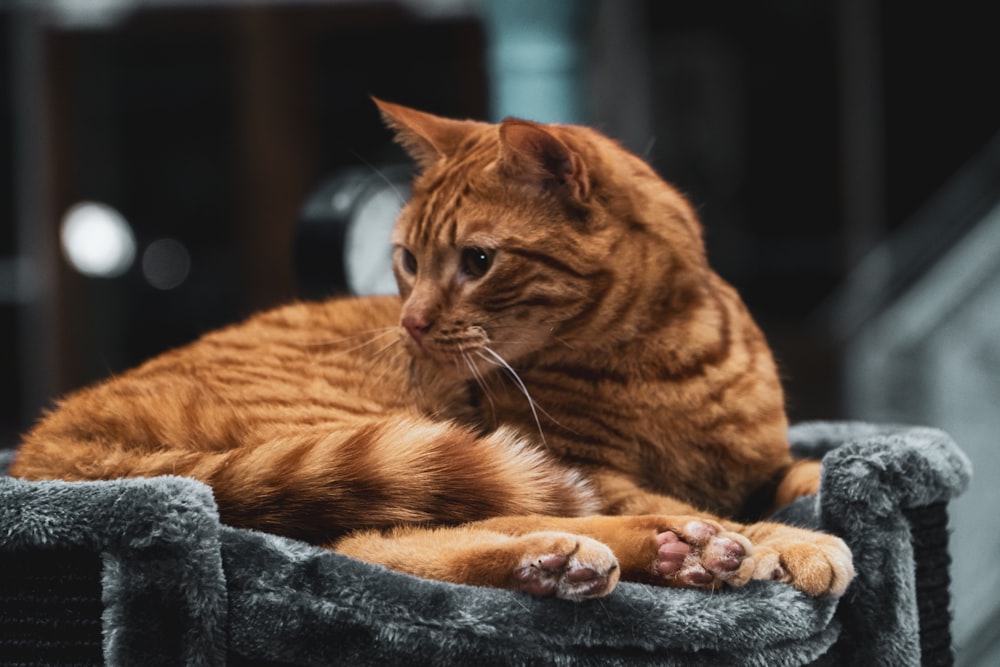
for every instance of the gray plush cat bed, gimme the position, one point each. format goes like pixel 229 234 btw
pixel 141 572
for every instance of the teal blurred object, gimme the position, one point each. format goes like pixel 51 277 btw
pixel 537 58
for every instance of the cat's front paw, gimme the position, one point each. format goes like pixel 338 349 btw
pixel 566 566
pixel 701 554
pixel 815 563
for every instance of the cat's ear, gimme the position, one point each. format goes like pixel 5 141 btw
pixel 531 153
pixel 426 137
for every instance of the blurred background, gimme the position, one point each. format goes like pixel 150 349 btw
pixel 169 166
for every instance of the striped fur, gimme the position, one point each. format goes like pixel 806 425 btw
pixel 560 348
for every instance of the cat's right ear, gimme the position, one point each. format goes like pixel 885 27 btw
pixel 532 154
pixel 426 137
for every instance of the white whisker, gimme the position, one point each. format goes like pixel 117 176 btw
pixel 372 336
pixel 394 350
pixel 480 380
pixel 390 345
pixel 500 361
pixel 378 172
pixel 534 404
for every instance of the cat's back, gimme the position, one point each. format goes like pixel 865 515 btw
pixel 296 364
pixel 287 349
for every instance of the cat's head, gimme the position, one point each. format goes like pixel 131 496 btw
pixel 522 237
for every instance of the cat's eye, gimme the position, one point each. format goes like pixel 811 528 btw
pixel 476 262
pixel 409 262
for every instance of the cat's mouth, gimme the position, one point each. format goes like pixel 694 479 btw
pixel 462 352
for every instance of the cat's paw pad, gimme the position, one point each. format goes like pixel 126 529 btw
pixel 701 554
pixel 822 565
pixel 567 566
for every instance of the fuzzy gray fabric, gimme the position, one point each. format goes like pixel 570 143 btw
pixel 177 587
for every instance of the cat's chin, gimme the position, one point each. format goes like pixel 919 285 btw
pixel 431 359
pixel 453 367
pixel 456 365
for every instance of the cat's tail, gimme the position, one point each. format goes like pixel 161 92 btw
pixel 318 483
pixel 404 471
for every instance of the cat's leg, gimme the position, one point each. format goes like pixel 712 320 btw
pixel 676 550
pixel 813 562
pixel 573 558
pixel 539 562
pixel 801 479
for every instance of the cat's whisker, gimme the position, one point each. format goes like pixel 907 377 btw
pixel 455 360
pixel 372 336
pixel 480 380
pixel 516 599
pixel 563 342
pixel 534 404
pixel 396 352
pixel 382 350
pixel 378 172
pixel 500 361
pixel 354 336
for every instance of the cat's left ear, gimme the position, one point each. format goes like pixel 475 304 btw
pixel 426 137
pixel 531 153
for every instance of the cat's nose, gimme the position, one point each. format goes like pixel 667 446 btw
pixel 416 326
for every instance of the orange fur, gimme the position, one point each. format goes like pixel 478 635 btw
pixel 561 356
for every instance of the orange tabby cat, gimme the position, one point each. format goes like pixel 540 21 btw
pixel 564 395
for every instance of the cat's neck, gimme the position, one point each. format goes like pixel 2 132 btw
pixel 663 329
